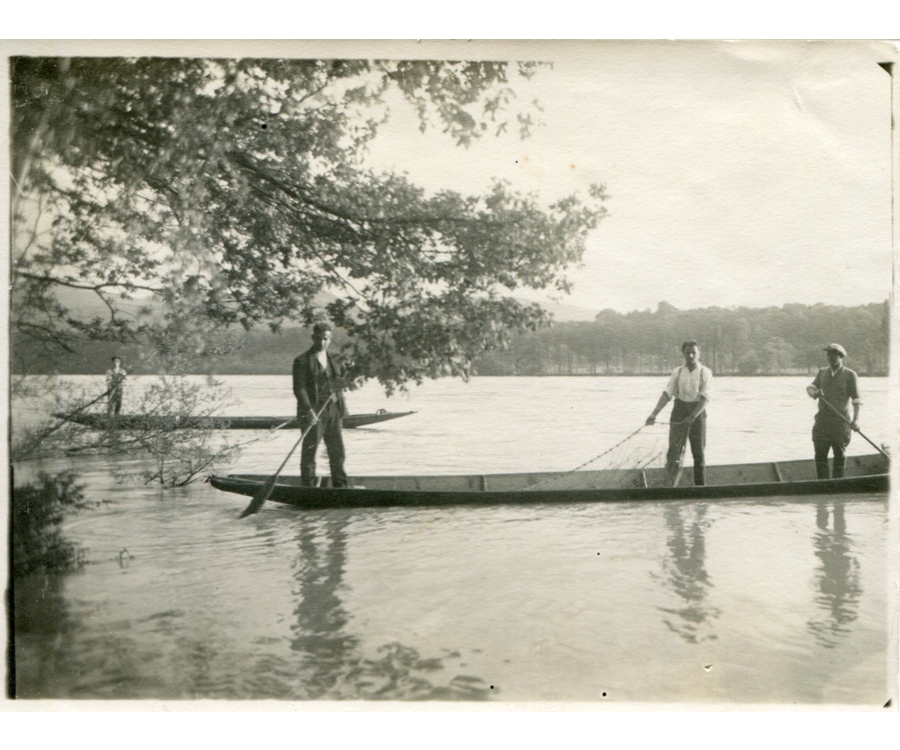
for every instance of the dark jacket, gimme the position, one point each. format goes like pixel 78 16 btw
pixel 838 390
pixel 305 388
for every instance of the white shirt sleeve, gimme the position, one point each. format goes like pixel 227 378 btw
pixel 672 385
pixel 705 383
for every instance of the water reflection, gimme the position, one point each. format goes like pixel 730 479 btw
pixel 333 665
pixel 319 615
pixel 40 621
pixel 685 572
pixel 839 589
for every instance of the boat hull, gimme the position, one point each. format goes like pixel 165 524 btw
pixel 871 478
pixel 151 422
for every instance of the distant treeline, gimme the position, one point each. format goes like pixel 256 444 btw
pixel 255 353
pixel 745 341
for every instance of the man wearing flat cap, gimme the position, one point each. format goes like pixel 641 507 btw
pixel 835 386
pixel 318 386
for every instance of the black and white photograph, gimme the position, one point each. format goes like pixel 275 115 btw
pixel 452 374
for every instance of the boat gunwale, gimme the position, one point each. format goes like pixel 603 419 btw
pixel 875 483
pixel 478 481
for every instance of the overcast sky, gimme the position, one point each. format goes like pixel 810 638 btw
pixel 739 174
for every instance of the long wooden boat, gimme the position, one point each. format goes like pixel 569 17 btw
pixel 150 421
pixel 866 475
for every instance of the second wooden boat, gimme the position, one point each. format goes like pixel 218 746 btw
pixel 149 421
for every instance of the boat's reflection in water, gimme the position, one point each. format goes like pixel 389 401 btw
pixel 838 574
pixel 685 572
pixel 334 666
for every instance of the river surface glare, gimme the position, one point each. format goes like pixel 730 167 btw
pixel 743 601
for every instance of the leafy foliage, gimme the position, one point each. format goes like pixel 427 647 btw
pixel 177 456
pixel 233 192
pixel 34 432
pixel 37 515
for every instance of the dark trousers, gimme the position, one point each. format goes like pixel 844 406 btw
pixel 834 437
pixel 114 404
pixel 328 428
pixel 696 435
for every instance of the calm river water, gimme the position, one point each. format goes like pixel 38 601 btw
pixel 744 601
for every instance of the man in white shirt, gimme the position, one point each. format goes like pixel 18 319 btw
pixel 690 386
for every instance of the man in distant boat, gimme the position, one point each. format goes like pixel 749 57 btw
pixel 690 385
pixel 320 402
pixel 835 386
pixel 115 386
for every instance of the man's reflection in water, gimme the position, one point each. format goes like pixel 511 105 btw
pixel 320 616
pixel 333 665
pixel 838 575
pixel 685 572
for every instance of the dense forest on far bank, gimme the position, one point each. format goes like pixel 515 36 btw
pixel 744 341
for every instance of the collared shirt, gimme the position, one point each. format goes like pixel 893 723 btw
pixel 838 387
pixel 689 386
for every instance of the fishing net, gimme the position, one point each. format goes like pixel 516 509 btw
pixel 637 460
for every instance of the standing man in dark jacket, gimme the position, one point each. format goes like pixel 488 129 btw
pixel 836 385
pixel 317 384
